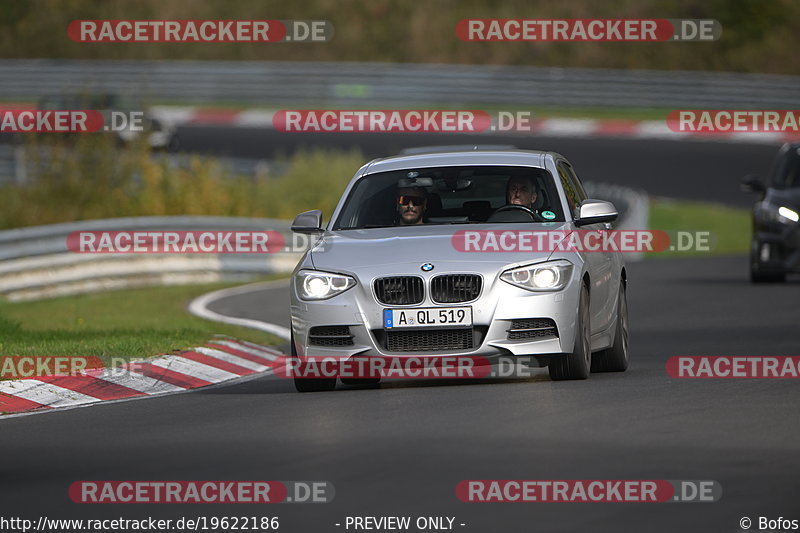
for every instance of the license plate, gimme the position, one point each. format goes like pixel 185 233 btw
pixel 427 317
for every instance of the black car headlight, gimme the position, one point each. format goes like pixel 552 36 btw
pixel 789 215
pixel 541 277
pixel 316 285
pixel 780 214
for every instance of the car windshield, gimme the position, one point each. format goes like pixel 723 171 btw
pixel 450 195
pixel 786 174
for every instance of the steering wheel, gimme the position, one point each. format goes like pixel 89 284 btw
pixel 511 207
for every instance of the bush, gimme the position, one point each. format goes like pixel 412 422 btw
pixel 91 177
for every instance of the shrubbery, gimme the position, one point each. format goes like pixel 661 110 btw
pixel 91 177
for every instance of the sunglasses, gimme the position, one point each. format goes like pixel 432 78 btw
pixel 406 199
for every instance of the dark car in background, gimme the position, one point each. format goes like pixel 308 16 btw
pixel 160 134
pixel 775 249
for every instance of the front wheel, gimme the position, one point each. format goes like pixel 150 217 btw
pixel 576 365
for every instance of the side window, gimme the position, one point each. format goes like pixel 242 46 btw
pixel 573 198
pixel 578 185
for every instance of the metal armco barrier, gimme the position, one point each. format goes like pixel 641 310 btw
pixel 323 84
pixel 36 263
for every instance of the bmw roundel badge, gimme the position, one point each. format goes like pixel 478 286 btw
pixel 427 267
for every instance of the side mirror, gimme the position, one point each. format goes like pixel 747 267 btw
pixel 595 212
pixel 751 183
pixel 308 222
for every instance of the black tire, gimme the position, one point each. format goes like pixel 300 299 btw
pixel 757 272
pixel 310 384
pixel 577 364
pixel 616 358
pixel 757 276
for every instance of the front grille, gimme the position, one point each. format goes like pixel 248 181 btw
pixel 399 290
pixel 532 328
pixel 330 336
pixel 429 341
pixel 454 288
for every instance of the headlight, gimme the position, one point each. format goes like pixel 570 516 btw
pixel 780 214
pixel 789 214
pixel 550 276
pixel 313 285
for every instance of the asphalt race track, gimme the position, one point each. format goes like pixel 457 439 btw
pixel 401 449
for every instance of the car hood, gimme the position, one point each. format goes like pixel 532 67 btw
pixel 414 245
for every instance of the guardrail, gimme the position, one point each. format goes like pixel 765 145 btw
pixel 36 263
pixel 388 84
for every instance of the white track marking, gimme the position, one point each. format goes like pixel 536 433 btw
pixel 199 307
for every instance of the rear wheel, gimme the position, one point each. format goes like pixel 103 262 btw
pixel 302 384
pixel 576 365
pixel 616 358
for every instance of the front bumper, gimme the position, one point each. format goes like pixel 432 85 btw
pixel 498 305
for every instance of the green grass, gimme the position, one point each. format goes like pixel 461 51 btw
pixel 130 324
pixel 729 226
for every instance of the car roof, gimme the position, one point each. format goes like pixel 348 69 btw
pixel 531 158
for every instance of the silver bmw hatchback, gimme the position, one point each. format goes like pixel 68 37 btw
pixel 448 254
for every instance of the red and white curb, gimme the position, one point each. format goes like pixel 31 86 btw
pixel 554 127
pixel 221 359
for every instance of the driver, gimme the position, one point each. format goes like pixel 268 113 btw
pixel 521 190
pixel 411 204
